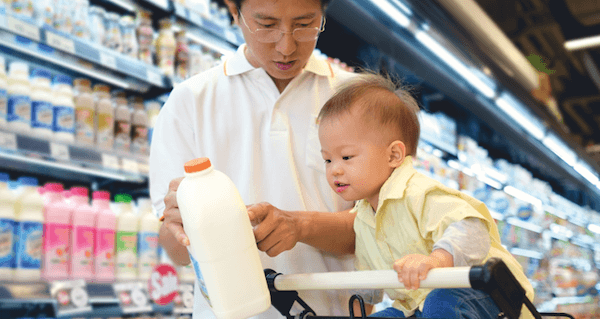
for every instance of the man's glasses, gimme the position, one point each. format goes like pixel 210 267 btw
pixel 274 35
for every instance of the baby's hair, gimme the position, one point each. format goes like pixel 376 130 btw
pixel 380 99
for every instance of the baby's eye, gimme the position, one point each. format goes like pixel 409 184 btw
pixel 345 158
pixel 327 161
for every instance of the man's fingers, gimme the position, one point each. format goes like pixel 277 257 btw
pixel 174 184
pixel 177 230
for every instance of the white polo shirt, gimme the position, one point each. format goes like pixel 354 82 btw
pixel 267 143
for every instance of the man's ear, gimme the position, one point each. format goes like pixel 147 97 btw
pixel 233 10
pixel 397 152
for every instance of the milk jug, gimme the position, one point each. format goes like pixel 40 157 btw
pixel 222 245
pixel 7 228
pixel 30 220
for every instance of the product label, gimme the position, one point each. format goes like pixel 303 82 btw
pixel 148 251
pixel 84 127
pixel 18 109
pixel 3 104
pixel 82 250
pixel 105 246
pixel 7 236
pixel 64 119
pixel 126 254
pixel 139 141
pixel 42 115
pixel 105 130
pixel 201 282
pixel 56 248
pixel 29 245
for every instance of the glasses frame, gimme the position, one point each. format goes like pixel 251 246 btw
pixel 320 30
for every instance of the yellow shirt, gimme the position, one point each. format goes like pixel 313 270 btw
pixel 413 213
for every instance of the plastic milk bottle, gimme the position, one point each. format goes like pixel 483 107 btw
pixel 30 220
pixel 18 111
pixel 222 245
pixel 126 240
pixel 104 250
pixel 7 228
pixel 57 231
pixel 147 239
pixel 82 239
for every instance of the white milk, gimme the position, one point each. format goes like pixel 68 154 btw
pixel 7 228
pixel 222 245
pixel 147 239
pixel 30 221
pixel 126 239
pixel 18 112
pixel 42 113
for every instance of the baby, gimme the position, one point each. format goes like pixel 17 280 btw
pixel 369 133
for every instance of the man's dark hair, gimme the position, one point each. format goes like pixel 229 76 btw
pixel 324 3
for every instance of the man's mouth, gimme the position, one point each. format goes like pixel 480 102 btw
pixel 285 65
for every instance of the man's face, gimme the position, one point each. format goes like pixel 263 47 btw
pixel 284 59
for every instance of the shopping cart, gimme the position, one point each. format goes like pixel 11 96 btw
pixel 493 277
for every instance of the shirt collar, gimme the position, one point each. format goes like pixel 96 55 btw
pixel 395 185
pixel 238 64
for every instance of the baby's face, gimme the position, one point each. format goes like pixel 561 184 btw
pixel 356 157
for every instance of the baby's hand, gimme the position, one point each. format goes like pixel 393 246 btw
pixel 413 268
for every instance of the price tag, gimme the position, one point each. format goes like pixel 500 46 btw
pixel 59 42
pixel 163 284
pixel 23 28
pixel 59 151
pixel 8 141
pixel 71 296
pixel 110 161
pixel 132 297
pixel 130 166
pixel 108 60
pixel 154 78
pixel 184 302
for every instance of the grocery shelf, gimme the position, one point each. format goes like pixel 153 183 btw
pixel 525 225
pixel 24 39
pixel 207 25
pixel 69 161
pixel 20 299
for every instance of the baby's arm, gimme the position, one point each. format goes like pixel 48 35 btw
pixel 468 241
pixel 464 243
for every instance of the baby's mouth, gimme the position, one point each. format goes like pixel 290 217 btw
pixel 340 187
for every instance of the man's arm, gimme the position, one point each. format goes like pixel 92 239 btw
pixel 277 231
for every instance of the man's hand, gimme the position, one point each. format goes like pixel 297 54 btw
pixel 413 268
pixel 275 230
pixel 172 215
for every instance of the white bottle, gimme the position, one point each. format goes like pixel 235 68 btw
pixel 153 109
pixel 64 109
pixel 139 128
pixel 122 137
pixel 3 93
pixel 7 228
pixel 105 117
pixel 30 220
pixel 147 239
pixel 18 111
pixel 126 240
pixel 216 222
pixel 42 113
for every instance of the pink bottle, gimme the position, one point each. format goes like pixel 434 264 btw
pixel 57 230
pixel 104 249
pixel 82 239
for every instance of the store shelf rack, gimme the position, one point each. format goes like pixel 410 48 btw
pixel 25 40
pixel 34 299
pixel 69 161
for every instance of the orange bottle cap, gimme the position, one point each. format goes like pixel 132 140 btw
pixel 197 165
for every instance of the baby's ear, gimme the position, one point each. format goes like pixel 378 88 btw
pixel 397 153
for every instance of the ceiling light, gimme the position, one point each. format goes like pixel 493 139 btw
pixel 455 63
pixel 583 43
pixel 586 171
